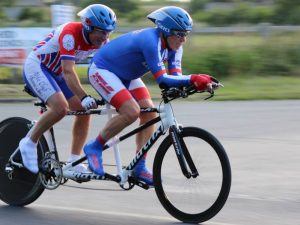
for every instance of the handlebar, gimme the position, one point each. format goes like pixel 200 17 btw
pixel 43 105
pixel 169 94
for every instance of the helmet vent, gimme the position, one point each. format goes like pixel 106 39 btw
pixel 188 24
pixel 101 20
pixel 178 20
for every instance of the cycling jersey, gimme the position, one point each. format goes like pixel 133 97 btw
pixel 132 55
pixel 42 69
pixel 66 42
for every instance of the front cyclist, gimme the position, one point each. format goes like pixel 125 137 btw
pixel 116 70
pixel 49 72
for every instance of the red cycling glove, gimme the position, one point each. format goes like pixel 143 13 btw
pixel 200 81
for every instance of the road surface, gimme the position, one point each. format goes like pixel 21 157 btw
pixel 262 139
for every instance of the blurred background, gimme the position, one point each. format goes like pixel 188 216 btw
pixel 252 47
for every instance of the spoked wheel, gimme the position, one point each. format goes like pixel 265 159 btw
pixel 20 187
pixel 193 199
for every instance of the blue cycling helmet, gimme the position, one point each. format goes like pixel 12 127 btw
pixel 98 16
pixel 171 18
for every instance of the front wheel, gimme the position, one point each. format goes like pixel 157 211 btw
pixel 21 187
pixel 192 199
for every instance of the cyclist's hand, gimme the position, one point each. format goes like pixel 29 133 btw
pixel 201 81
pixel 88 102
pixel 204 82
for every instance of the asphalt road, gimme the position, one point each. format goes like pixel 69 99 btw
pixel 262 139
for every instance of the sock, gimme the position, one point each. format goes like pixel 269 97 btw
pixel 101 140
pixel 28 150
pixel 73 157
pixel 30 142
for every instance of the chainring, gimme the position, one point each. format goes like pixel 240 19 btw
pixel 51 173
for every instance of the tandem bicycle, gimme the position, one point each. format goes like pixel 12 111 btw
pixel 191 170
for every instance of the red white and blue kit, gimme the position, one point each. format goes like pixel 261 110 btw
pixel 117 67
pixel 42 69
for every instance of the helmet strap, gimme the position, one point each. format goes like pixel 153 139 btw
pixel 165 40
pixel 87 36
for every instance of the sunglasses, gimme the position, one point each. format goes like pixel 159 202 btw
pixel 180 34
pixel 102 32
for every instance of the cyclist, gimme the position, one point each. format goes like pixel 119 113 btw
pixel 116 70
pixel 49 73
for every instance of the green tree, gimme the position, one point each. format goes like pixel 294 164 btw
pixel 118 6
pixel 260 14
pixel 2 14
pixel 285 11
pixel 38 15
pixel 7 3
pixel 197 5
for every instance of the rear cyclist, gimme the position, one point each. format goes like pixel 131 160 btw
pixel 49 72
pixel 116 72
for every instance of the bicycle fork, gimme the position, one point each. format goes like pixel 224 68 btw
pixel 185 160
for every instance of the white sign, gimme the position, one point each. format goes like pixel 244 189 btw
pixel 16 43
pixel 61 14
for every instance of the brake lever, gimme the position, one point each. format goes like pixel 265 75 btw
pixel 210 96
pixel 213 86
pixel 219 85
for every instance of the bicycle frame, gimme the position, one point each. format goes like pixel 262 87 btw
pixel 167 122
pixel 167 119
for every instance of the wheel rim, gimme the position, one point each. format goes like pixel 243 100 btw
pixel 23 184
pixel 193 200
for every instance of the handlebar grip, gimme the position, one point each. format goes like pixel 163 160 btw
pixel 100 101
pixel 40 104
pixel 163 86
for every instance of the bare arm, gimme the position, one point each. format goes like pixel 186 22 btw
pixel 71 77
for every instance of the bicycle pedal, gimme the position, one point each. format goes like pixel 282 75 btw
pixel 142 184
pixel 81 180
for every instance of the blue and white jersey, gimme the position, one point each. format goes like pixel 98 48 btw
pixel 132 55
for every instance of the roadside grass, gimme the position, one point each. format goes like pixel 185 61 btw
pixel 257 88
pixel 235 88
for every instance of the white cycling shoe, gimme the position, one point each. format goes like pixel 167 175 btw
pixel 80 168
pixel 29 154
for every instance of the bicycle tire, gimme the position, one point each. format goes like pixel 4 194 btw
pixel 24 187
pixel 176 192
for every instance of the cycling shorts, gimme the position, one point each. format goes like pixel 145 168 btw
pixel 114 90
pixel 41 81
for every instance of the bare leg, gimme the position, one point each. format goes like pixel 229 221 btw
pixel 143 136
pixel 128 113
pixel 141 171
pixel 57 108
pixel 80 127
